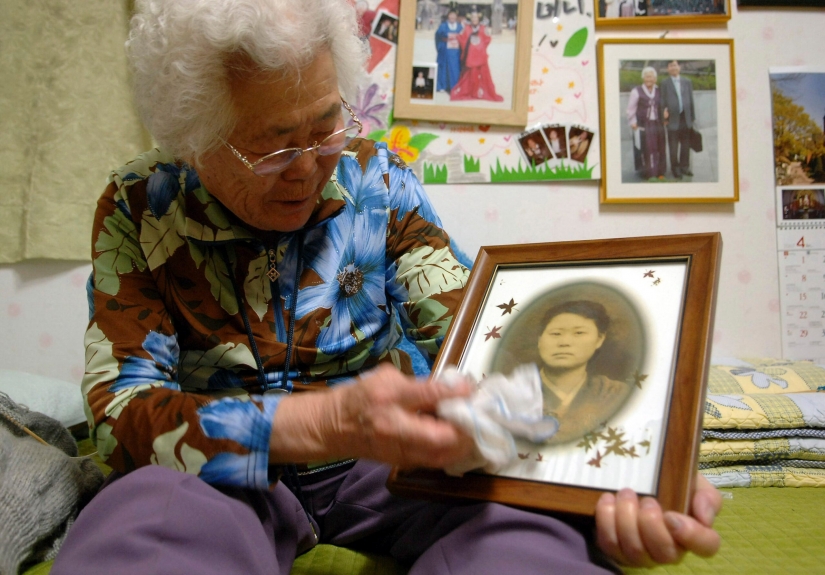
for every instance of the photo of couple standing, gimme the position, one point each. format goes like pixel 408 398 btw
pixel 473 48
pixel 670 111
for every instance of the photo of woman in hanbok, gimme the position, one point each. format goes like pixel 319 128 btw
pixel 475 82
pixel 644 114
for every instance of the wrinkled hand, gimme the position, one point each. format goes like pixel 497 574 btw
pixel 635 532
pixel 385 416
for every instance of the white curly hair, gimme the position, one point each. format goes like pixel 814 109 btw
pixel 649 70
pixel 180 51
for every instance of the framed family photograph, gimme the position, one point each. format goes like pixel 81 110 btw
pixel 619 331
pixel 477 56
pixel 661 12
pixel 668 120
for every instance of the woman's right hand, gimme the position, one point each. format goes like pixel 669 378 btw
pixel 385 416
pixel 634 126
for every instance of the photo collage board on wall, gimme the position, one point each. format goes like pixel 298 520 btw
pixel 522 105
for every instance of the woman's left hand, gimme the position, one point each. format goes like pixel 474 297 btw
pixel 635 532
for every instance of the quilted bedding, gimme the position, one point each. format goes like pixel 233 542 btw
pixel 764 424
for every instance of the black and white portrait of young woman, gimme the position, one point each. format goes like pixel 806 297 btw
pixel 588 342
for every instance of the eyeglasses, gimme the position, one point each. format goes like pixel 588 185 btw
pixel 280 160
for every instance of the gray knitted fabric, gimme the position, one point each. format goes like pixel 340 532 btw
pixel 41 487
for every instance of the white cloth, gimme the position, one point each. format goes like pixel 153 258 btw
pixel 500 408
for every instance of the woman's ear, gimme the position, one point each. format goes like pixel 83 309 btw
pixel 601 340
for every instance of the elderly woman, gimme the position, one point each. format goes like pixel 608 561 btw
pixel 573 332
pixel 644 113
pixel 243 377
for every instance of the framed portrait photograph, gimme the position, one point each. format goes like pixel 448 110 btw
pixel 661 12
pixel 619 331
pixel 480 55
pixel 668 121
pixel 782 3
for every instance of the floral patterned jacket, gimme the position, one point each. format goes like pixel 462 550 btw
pixel 193 317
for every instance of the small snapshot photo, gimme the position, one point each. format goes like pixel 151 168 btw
pixel 646 12
pixel 798 96
pixel 556 137
pixel 803 203
pixel 534 149
pixel 386 27
pixel 579 143
pixel 423 85
pixel 668 120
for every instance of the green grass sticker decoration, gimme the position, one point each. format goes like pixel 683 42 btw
pixel 542 173
pixel 435 174
pixel 471 164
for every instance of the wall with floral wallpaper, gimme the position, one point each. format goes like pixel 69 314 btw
pixel 43 303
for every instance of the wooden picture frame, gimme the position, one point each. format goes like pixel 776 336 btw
pixel 780 3
pixel 668 157
pixel 659 293
pixel 615 13
pixel 455 99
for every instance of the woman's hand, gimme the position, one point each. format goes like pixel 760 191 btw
pixel 637 533
pixel 634 126
pixel 384 416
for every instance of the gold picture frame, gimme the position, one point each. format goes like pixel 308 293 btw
pixel 642 13
pixel 417 96
pixel 658 295
pixel 662 144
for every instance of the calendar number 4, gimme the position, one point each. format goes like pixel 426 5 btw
pixel 801 242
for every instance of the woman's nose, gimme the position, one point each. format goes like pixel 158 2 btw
pixel 301 167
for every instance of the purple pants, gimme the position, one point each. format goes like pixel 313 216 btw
pixel 155 520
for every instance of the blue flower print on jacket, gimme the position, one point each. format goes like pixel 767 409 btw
pixel 163 186
pixel 407 194
pixel 162 367
pixel 250 426
pixel 349 258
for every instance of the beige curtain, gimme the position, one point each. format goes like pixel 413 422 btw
pixel 66 121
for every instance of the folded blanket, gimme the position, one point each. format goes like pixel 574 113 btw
pixel 765 476
pixel 764 424
pixel 715 452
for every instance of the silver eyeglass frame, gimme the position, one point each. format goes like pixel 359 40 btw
pixel 300 151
